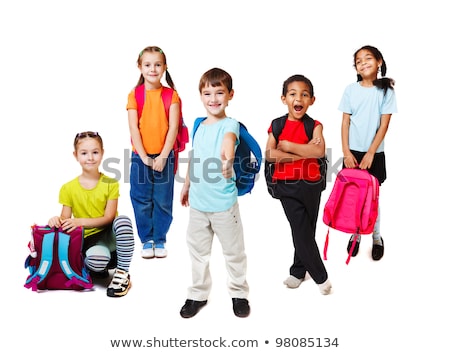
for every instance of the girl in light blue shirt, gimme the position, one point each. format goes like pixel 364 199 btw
pixel 367 106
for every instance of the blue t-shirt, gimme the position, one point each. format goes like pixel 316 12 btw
pixel 366 105
pixel 209 191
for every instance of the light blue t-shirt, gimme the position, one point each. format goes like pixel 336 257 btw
pixel 209 190
pixel 366 105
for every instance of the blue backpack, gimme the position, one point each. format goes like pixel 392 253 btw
pixel 244 167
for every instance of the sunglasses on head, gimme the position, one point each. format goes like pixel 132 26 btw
pixel 87 134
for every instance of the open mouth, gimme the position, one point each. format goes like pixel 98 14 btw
pixel 298 108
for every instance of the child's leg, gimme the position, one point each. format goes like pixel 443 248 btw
pixel 302 213
pixel 124 237
pixel 376 236
pixel 199 239
pixel 141 191
pixel 163 201
pixel 228 228
pixel 97 258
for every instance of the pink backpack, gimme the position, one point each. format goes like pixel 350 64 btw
pixel 166 96
pixel 352 206
pixel 56 260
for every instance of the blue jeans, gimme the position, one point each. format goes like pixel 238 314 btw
pixel 151 195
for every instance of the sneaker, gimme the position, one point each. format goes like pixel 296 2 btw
pixel 325 287
pixel 160 251
pixel 293 282
pixel 147 251
pixel 119 285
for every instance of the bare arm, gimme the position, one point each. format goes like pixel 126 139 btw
pixel 227 154
pixel 135 134
pixel 67 223
pixel 184 197
pixel 367 160
pixel 349 158
pixel 315 148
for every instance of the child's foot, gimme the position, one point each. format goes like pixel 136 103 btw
pixel 119 285
pixel 160 250
pixel 147 251
pixel 241 308
pixel 378 249
pixel 293 282
pixel 192 307
pixel 325 287
pixel 350 242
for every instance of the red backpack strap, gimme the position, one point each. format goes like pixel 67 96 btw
pixel 325 247
pixel 139 94
pixel 355 239
pixel 166 96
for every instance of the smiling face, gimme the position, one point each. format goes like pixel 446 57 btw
pixel 298 98
pixel 367 65
pixel 152 67
pixel 215 99
pixel 89 153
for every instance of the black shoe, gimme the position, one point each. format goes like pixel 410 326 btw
pixel 241 307
pixel 191 308
pixel 378 251
pixel 356 248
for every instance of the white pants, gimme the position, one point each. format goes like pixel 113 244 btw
pixel 227 226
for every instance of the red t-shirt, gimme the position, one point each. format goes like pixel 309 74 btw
pixel 303 169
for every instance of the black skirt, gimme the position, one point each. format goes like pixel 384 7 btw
pixel 378 168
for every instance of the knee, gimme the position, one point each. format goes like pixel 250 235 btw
pixel 122 223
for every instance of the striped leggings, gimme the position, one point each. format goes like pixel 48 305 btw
pixel 101 248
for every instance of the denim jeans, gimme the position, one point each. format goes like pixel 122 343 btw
pixel 151 195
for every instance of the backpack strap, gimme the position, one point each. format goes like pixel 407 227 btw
pixel 278 125
pixel 308 123
pixel 45 263
pixel 197 123
pixel 166 95
pixel 63 255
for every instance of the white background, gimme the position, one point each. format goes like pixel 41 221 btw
pixel 67 67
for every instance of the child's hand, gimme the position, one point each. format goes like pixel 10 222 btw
pixel 350 161
pixel 227 167
pixel 69 224
pixel 159 163
pixel 184 198
pixel 148 161
pixel 283 146
pixel 367 160
pixel 314 141
pixel 54 222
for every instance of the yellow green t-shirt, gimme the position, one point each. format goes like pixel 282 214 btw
pixel 89 203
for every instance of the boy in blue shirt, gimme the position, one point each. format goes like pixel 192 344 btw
pixel 210 191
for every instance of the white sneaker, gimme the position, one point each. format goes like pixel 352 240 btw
pixel 293 282
pixel 119 285
pixel 160 252
pixel 325 287
pixel 147 253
